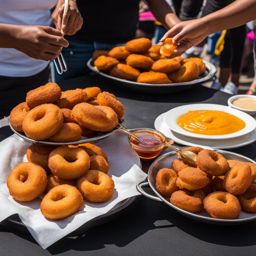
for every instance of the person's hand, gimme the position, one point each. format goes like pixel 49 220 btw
pixel 71 22
pixel 187 34
pixel 39 42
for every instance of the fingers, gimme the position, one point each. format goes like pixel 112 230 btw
pixel 171 33
pixel 182 47
pixel 52 31
pixel 70 29
pixel 65 22
pixel 54 37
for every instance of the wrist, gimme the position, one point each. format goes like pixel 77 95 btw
pixel 8 35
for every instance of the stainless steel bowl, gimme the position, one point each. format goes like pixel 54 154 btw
pixel 165 161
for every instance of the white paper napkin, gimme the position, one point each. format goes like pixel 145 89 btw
pixel 124 170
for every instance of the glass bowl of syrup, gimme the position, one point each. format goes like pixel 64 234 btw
pixel 150 144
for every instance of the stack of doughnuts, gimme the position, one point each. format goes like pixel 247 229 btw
pixel 64 178
pixel 52 115
pixel 139 60
pixel 219 186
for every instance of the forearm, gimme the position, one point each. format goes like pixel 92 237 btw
pixel 163 12
pixel 7 35
pixel 233 15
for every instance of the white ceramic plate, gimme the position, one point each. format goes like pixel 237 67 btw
pixel 161 126
pixel 173 114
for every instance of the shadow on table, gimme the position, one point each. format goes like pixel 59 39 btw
pixel 130 225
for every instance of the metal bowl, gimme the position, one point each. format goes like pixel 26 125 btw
pixel 165 161
pixel 159 88
pixel 83 140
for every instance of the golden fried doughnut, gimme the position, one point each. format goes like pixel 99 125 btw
pixel 92 92
pixel 212 162
pixel 178 165
pixel 99 163
pixel 70 98
pixel 61 202
pixel 197 61
pixel 17 116
pixel 166 182
pixel 238 179
pixel 95 118
pixel 105 63
pixel 139 45
pixel 39 154
pixel 119 53
pixel 191 178
pixel 26 182
pixel 154 52
pixel 97 53
pixel 68 163
pixel 222 205
pixel 48 93
pixel 152 77
pixel 232 163
pixel 42 122
pixel 67 115
pixel 187 72
pixel 124 71
pixel 218 183
pixel 188 201
pixel 139 61
pixel 91 149
pixel 166 65
pixel 248 199
pixel 109 100
pixel 96 186
pixel 167 49
pixel 68 132
pixel 54 181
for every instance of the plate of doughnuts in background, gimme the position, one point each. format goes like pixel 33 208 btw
pixel 151 68
pixel 54 117
pixel 219 188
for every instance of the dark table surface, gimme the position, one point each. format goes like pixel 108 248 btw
pixel 146 227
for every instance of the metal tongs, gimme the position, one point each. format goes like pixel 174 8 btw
pixel 60 63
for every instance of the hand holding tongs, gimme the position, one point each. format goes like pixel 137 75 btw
pixel 59 62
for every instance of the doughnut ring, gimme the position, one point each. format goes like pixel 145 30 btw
pixel 119 53
pixel 248 199
pixel 54 181
pixel 212 162
pixel 92 92
pixel 124 71
pixel 109 100
pixel 17 116
pixel 67 115
pixel 96 186
pixel 238 179
pixel 42 122
pixel 139 45
pixel 39 154
pixel 166 65
pixel 99 163
pixel 166 182
pixel 95 118
pixel 61 202
pixel 222 205
pixel 178 165
pixel 152 77
pixel 154 52
pixel 191 178
pixel 139 61
pixel 199 63
pixel 91 149
pixel 48 93
pixel 68 132
pixel 68 163
pixel 195 150
pixel 70 98
pixel 187 72
pixel 188 201
pixel 105 63
pixel 26 182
